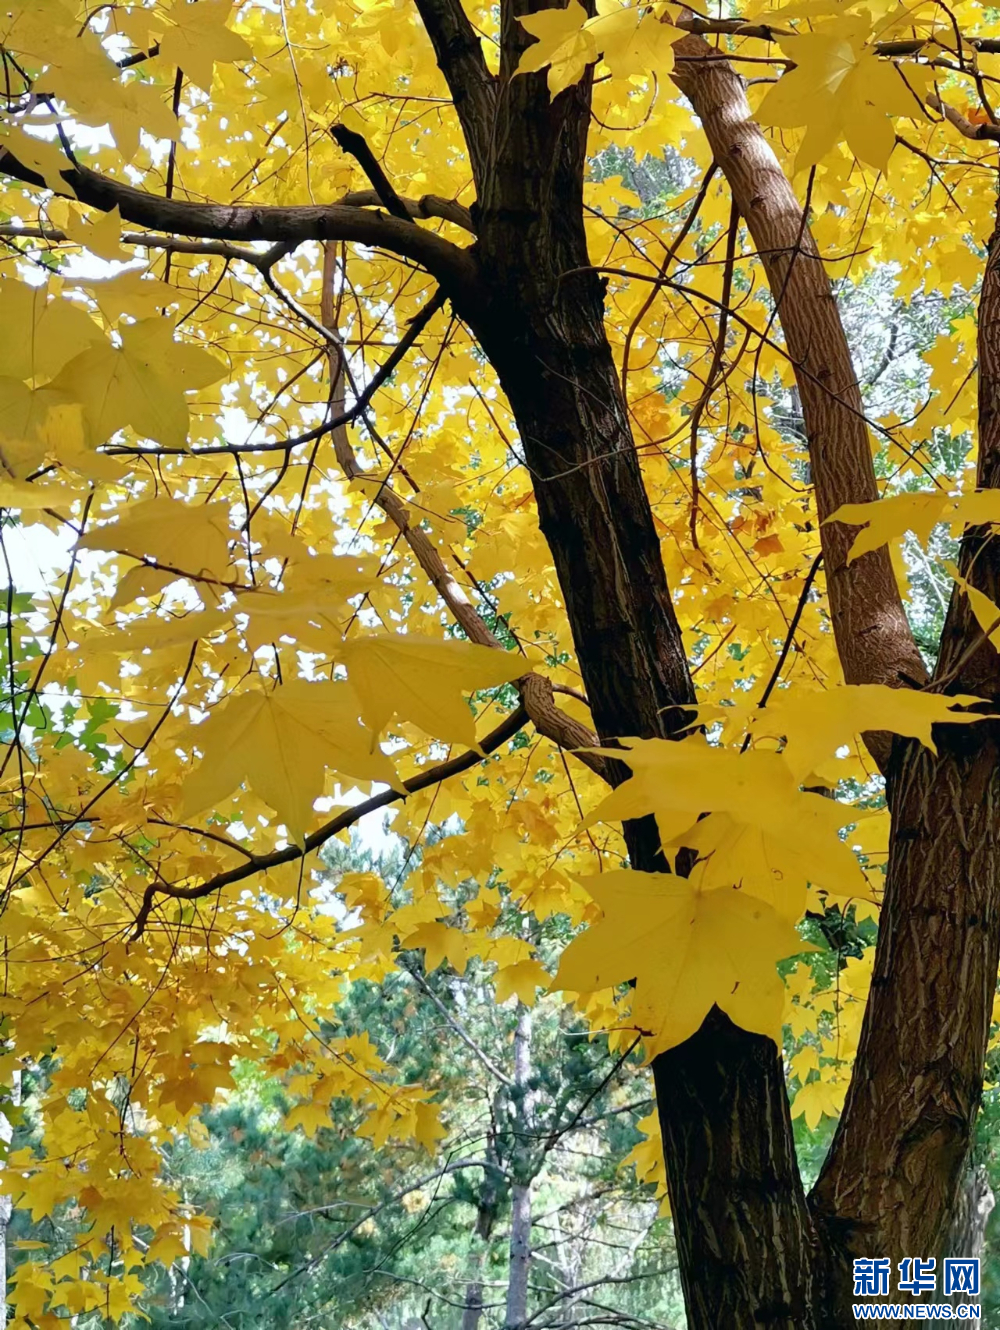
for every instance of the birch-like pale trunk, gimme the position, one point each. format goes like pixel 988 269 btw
pixel 519 1266
pixel 6 1204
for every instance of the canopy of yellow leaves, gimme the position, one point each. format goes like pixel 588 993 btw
pixel 238 643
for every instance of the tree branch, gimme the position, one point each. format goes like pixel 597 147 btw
pixel 965 127
pixel 874 640
pixel 353 143
pixel 734 27
pixel 460 58
pixel 427 206
pixel 454 267
pixel 259 863
pixel 536 690
pixel 459 1028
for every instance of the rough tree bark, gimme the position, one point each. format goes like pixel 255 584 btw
pixel 544 333
pixel 919 1070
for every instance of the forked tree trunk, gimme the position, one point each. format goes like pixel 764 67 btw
pixel 750 1251
pixel 541 322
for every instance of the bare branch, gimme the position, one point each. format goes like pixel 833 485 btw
pixel 353 143
pixel 459 1028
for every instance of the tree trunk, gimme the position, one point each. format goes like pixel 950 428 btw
pixel 972 1213
pixel 874 641
pixel 6 1204
pixel 750 1253
pixel 747 1250
pixel 486 1213
pixel 523 1166
pixel 520 1256
pixel 891 1183
pixel 546 339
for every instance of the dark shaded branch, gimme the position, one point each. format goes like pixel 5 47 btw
pixel 145 240
pixel 354 144
pixel 427 206
pixel 460 58
pixel 454 267
pixel 767 32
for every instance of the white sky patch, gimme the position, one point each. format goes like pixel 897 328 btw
pixel 370 830
pixel 37 555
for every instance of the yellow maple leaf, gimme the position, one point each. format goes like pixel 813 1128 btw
pixel 187 537
pixel 977 508
pixel 439 943
pixel 776 867
pixel 887 519
pixel 30 497
pixel 987 614
pixel 815 724
pixel 564 45
pixel 521 980
pixel 141 383
pixel 422 679
pixel 101 234
pixel 686 950
pixel 840 90
pixel 817 1099
pixel 38 337
pixel 168 1244
pixel 280 742
pixel 778 826
pixel 309 1116
pixel 154 633
pixel 141 583
pixel 46 158
pixel 428 1128
pixel 198 37
pixel 805 1061
pixel 647 1159
pixel 633 39
pixel 121 1295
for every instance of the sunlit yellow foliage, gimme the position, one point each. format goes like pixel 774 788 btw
pixel 239 641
